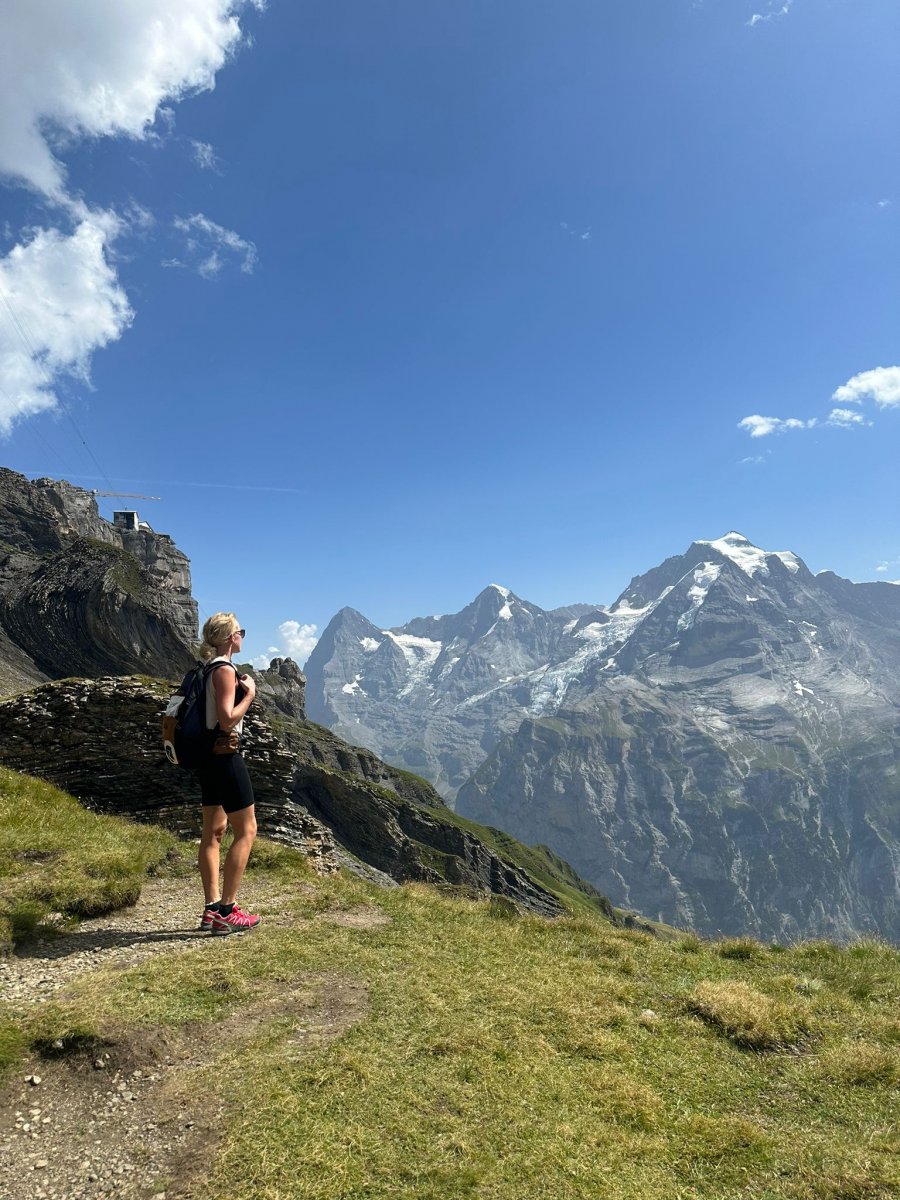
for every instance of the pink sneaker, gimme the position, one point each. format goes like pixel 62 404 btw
pixel 236 922
pixel 206 919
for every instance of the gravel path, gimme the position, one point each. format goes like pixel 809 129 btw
pixel 115 1123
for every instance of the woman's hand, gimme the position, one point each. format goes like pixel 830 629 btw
pixel 248 683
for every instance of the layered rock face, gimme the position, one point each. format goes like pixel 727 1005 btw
pixel 718 749
pixel 79 596
pixel 100 740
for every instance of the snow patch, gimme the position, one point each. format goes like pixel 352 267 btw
pixel 420 654
pixel 704 577
pixel 505 612
pixel 552 683
pixel 801 690
pixel 369 644
pixel 750 558
pixel 353 689
pixel 504 592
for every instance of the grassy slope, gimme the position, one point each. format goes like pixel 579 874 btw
pixel 510 1059
pixel 321 747
pixel 57 857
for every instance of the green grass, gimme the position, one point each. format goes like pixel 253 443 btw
pixel 504 1057
pixel 515 1058
pixel 56 857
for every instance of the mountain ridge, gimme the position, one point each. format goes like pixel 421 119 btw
pixel 736 680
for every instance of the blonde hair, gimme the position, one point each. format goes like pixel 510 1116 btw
pixel 216 632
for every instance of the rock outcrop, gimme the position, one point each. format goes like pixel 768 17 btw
pixel 80 596
pixel 282 685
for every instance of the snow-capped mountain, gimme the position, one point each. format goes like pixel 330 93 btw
pixel 437 693
pixel 718 748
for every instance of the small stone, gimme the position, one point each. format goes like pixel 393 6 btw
pixel 40 1164
pixel 34 1080
pixel 99 1064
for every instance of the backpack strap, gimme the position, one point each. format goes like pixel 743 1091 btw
pixel 208 673
pixel 210 667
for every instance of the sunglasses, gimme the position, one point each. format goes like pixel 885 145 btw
pixel 239 633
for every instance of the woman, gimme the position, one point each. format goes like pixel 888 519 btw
pixel 227 791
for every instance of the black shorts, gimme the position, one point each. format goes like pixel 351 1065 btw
pixel 224 780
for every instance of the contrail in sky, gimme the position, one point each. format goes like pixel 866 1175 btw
pixel 231 487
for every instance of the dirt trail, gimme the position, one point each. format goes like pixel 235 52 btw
pixel 112 1121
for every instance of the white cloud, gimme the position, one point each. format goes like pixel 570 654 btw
pixel 297 642
pixel 758 426
pixel 69 71
pixel 760 18
pixel 208 246
pixel 881 385
pixel 100 69
pixel 204 156
pixel 298 639
pixel 884 203
pixel 263 660
pixel 753 460
pixel 845 418
pixel 60 301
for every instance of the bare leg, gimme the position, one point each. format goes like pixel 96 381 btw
pixel 243 826
pixel 214 825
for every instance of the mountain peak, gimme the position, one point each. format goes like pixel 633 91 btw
pixel 751 559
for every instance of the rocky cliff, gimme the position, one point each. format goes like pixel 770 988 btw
pixel 79 596
pixel 716 749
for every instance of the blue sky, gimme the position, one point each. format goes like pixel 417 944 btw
pixel 391 300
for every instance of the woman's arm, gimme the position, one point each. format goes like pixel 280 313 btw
pixel 228 713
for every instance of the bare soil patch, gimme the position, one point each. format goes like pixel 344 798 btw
pixel 116 1117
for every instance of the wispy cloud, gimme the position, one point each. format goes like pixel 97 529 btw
pixel 208 247
pixel 758 426
pixel 882 384
pixel 205 156
pixel 884 203
pixel 772 14
pixel 845 418
pixel 583 235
